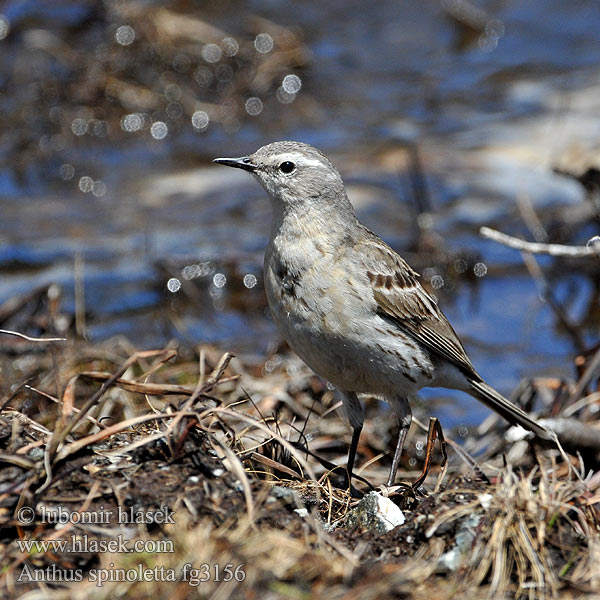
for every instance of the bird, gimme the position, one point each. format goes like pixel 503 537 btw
pixel 349 305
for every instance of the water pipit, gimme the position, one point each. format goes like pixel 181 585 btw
pixel 348 304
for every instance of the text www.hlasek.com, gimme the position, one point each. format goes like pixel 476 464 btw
pixel 81 543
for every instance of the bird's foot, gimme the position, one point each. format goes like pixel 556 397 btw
pixel 404 494
pixel 347 486
pixel 389 490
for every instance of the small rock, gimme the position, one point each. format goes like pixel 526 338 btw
pixel 377 513
pixel 465 536
pixel 516 433
pixel 485 500
pixel 287 495
pixel 36 453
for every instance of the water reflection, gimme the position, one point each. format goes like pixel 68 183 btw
pixel 488 94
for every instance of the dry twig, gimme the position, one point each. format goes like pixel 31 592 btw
pixel 592 248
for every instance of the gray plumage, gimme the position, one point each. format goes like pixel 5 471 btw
pixel 349 305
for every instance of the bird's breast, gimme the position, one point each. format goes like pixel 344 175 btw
pixel 309 288
pixel 325 309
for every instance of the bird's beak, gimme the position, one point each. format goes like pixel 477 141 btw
pixel 244 162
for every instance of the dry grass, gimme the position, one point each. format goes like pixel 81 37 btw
pixel 148 429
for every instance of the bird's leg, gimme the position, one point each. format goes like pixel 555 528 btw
pixel 435 432
pixel 352 454
pixel 397 454
pixel 356 415
pixel 404 419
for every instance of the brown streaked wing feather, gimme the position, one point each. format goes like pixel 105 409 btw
pixel 403 300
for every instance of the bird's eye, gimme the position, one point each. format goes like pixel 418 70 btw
pixel 287 166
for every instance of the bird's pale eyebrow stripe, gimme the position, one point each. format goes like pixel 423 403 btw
pixel 311 162
pixel 300 159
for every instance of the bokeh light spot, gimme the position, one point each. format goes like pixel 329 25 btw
pixel 254 106
pixel 437 282
pixel 263 43
pixel 593 243
pixel 249 280
pixel 173 285
pixel 132 122
pixel 219 280
pixel 211 53
pixel 182 63
pixel 159 130
pixel 203 76
pixel 480 269
pixel 99 188
pixel 67 171
pixel 460 265
pixel 200 120
pixel 4 27
pixel 172 92
pixel 486 43
pixel 98 128
pixel 425 220
pixel 174 110
pixel 230 46
pixel 224 73
pixel 494 28
pixel 79 126
pixel 86 184
pixel 291 84
pixel 285 97
pixel 125 35
pixel 189 272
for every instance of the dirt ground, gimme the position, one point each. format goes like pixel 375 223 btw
pixel 202 461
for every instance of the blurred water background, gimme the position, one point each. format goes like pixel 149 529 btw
pixel 442 116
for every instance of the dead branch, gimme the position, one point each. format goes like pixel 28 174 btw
pixel 574 435
pixel 32 339
pixel 592 248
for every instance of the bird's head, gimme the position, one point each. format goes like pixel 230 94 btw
pixel 293 174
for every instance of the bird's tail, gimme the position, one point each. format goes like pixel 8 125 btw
pixel 513 414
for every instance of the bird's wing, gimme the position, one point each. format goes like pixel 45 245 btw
pixel 402 300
